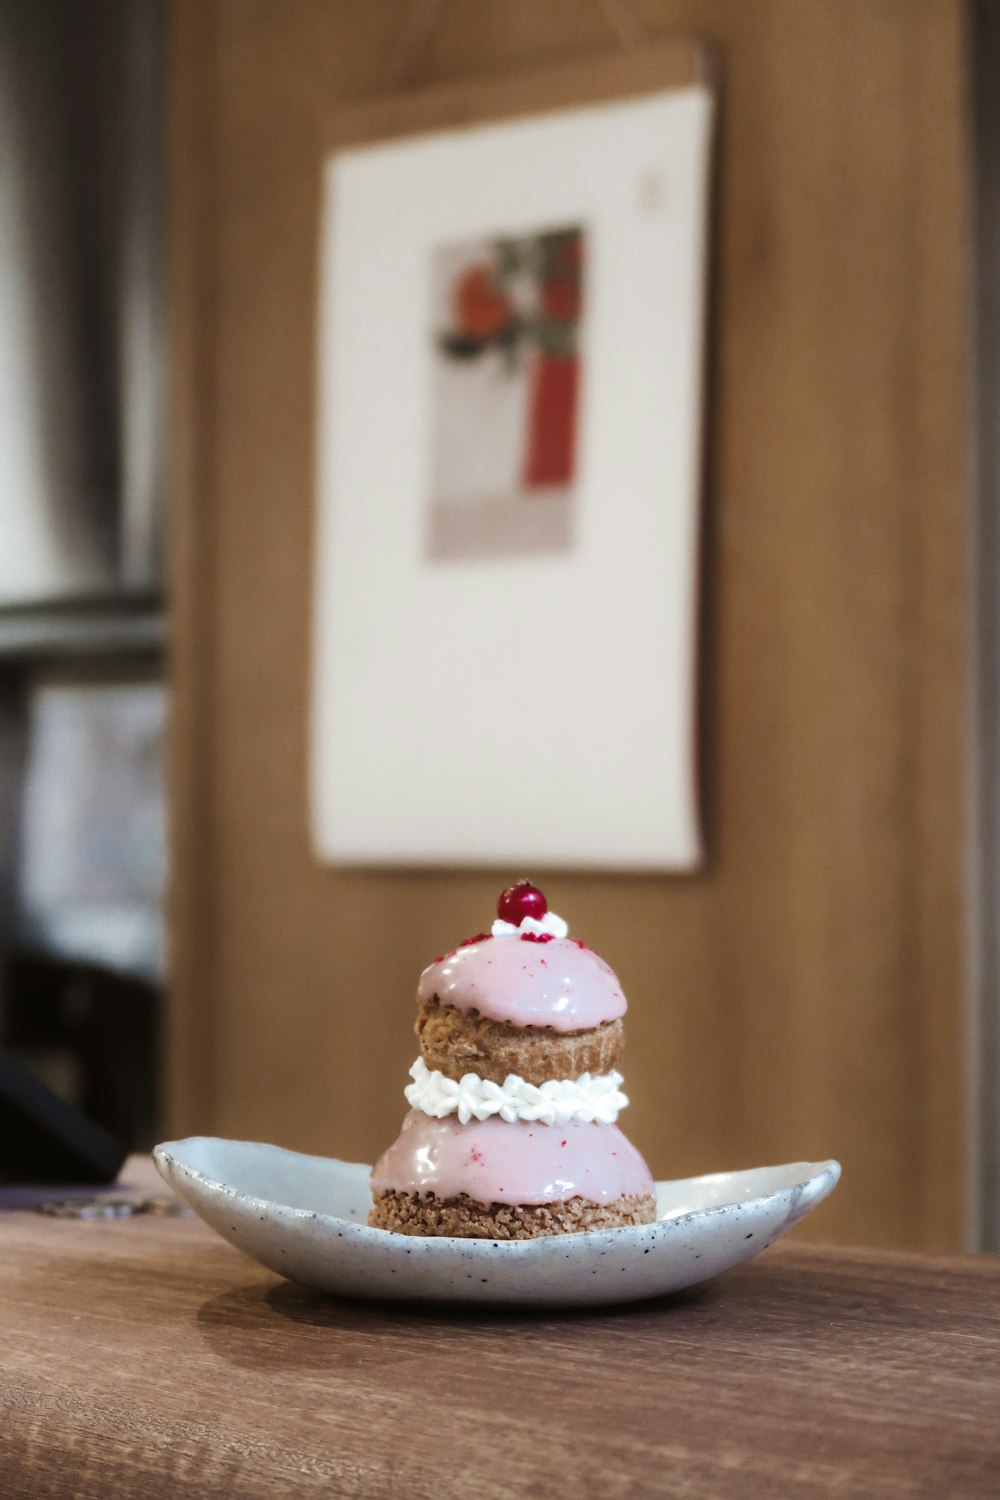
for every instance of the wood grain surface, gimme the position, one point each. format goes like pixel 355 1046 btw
pixel 803 997
pixel 594 79
pixel 145 1358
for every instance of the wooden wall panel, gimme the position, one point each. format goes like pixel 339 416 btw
pixel 804 996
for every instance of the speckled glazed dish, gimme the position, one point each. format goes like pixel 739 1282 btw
pixel 304 1217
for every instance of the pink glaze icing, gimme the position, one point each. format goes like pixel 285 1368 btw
pixel 557 984
pixel 497 1162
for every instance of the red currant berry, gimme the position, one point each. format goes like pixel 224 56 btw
pixel 520 901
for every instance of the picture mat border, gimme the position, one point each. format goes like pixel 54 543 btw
pixel 577 84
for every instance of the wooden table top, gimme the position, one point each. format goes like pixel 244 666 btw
pixel 145 1357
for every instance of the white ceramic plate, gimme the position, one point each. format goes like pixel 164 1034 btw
pixel 304 1217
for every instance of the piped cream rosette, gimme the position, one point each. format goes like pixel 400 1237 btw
pixel 588 1100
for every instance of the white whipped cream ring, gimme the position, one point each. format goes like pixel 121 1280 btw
pixel 589 1100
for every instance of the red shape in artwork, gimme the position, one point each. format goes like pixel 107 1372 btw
pixel 481 309
pixel 552 421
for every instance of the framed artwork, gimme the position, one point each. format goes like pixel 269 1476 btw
pixel 512 285
pixel 505 392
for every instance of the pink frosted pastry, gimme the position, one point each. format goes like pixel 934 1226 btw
pixel 511 1132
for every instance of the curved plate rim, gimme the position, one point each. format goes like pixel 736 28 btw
pixel 821 1178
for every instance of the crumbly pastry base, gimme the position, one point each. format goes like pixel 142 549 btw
pixel 410 1213
pixel 456 1042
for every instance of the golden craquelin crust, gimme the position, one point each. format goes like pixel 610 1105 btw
pixel 409 1213
pixel 456 1042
